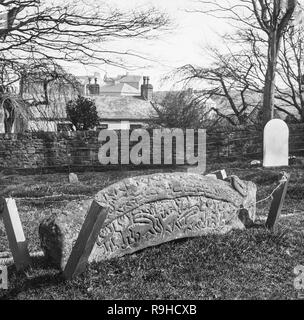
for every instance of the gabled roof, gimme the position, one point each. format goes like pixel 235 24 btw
pixel 130 78
pixel 121 88
pixel 123 108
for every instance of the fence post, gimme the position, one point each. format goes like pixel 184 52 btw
pixel 88 234
pixel 277 203
pixel 14 231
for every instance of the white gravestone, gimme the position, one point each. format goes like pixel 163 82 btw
pixel 73 178
pixel 276 144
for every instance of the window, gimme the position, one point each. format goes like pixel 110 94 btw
pixel 64 127
pixel 103 126
pixel 135 126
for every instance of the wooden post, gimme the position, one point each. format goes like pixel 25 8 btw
pixel 15 235
pixel 85 242
pixel 3 278
pixel 220 174
pixel 210 175
pixel 277 204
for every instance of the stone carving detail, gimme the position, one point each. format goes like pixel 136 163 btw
pixel 158 222
pixel 149 210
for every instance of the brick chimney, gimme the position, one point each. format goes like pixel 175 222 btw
pixel 146 89
pixel 93 89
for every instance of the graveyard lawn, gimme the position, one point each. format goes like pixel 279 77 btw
pixel 252 264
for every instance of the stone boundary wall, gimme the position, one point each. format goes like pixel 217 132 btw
pixel 248 144
pixel 47 149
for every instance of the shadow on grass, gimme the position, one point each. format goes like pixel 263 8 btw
pixel 240 264
pixel 41 274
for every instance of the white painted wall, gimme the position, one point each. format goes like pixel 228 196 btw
pixel 48 126
pixel 51 126
pixel 119 125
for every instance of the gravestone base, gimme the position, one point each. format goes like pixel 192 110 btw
pixel 150 210
pixel 59 232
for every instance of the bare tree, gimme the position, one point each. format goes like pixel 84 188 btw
pixel 290 71
pixel 180 110
pixel 273 18
pixel 268 17
pixel 288 96
pixel 233 78
pixel 67 31
pixel 71 31
pixel 44 89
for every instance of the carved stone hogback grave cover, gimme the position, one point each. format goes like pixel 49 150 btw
pixel 149 210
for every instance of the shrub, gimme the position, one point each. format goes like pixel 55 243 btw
pixel 82 113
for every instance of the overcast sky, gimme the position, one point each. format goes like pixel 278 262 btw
pixel 184 44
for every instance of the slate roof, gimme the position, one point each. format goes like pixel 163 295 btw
pixel 123 108
pixel 130 78
pixel 114 108
pixel 120 88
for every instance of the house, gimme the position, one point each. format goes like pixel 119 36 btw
pixel 126 85
pixel 122 85
pixel 122 102
pixel 119 109
pixel 46 97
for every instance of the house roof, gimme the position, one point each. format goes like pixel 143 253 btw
pixel 130 78
pixel 108 108
pixel 255 103
pixel 123 108
pixel 121 88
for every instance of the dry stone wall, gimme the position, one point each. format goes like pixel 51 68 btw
pixel 55 150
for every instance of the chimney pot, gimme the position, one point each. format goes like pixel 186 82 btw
pixel 146 89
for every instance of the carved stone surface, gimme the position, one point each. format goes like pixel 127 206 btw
pixel 149 210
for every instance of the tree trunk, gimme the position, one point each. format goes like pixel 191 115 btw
pixel 302 115
pixel 269 90
pixel 9 116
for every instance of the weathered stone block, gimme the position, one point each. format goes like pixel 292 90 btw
pixel 58 232
pixel 149 210
pixel 73 178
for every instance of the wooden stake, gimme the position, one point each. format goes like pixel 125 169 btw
pixel 3 278
pixel 213 176
pixel 277 204
pixel 220 174
pixel 15 235
pixel 85 242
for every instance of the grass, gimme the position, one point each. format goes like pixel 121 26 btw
pixel 252 264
